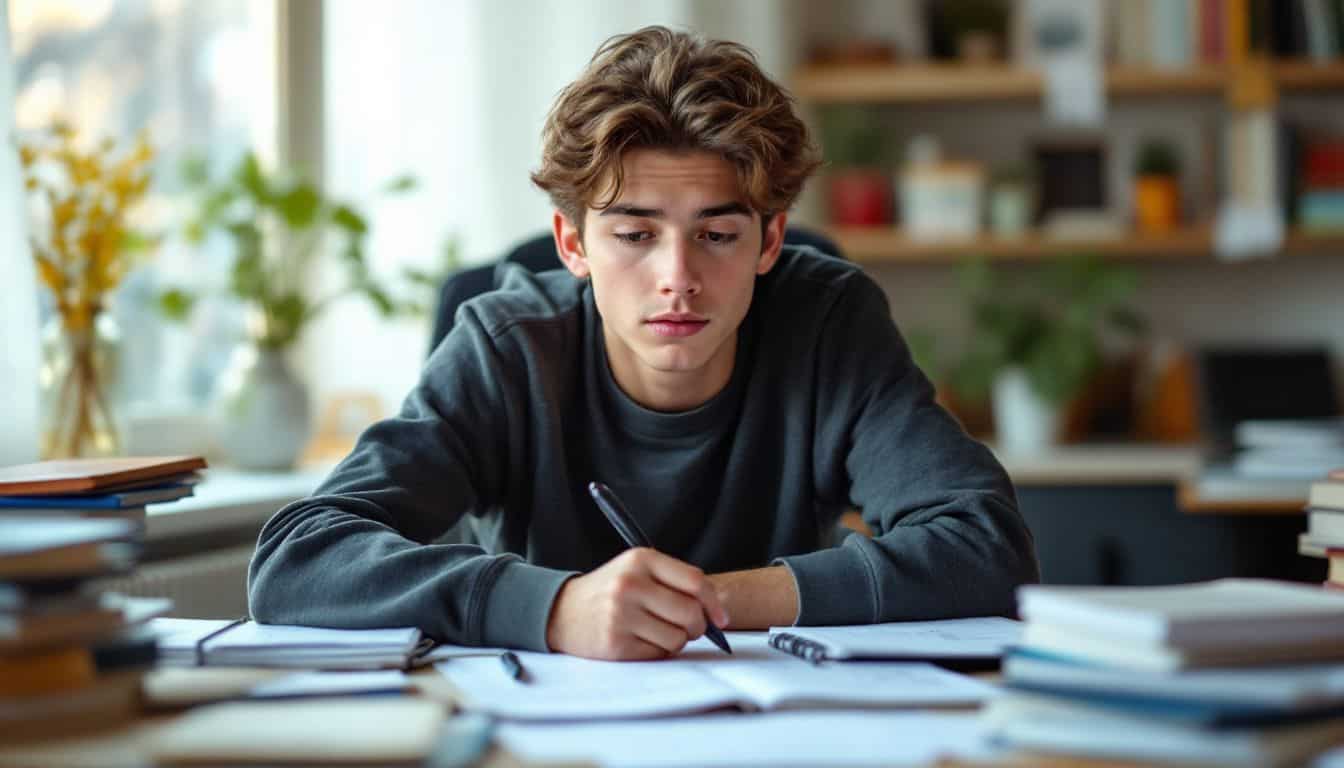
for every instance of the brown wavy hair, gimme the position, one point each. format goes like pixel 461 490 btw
pixel 660 89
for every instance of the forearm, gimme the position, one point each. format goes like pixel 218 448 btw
pixel 759 598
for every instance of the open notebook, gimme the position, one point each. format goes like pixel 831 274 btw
pixel 568 688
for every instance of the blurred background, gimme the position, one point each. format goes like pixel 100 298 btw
pixel 1110 232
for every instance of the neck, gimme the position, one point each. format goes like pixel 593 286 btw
pixel 671 391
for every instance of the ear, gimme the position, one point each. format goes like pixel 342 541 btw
pixel 772 242
pixel 569 244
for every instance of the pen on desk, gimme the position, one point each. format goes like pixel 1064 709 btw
pixel 634 536
pixel 513 666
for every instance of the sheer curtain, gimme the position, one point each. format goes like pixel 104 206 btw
pixel 18 286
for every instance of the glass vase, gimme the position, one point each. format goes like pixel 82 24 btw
pixel 78 383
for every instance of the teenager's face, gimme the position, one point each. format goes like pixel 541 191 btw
pixel 673 263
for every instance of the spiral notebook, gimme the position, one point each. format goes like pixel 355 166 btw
pixel 957 643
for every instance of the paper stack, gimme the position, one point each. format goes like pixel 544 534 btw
pixel 1230 672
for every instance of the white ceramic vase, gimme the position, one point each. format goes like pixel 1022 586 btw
pixel 1023 420
pixel 261 411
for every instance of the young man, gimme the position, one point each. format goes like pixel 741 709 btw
pixel 737 393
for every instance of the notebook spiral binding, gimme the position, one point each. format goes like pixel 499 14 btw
pixel 801 647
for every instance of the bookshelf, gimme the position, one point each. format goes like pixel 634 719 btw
pixel 959 83
pixel 891 246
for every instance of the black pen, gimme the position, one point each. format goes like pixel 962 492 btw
pixel 634 536
pixel 513 666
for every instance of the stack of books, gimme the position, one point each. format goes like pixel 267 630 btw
pixel 72 657
pixel 1229 672
pixel 120 487
pixel 1325 527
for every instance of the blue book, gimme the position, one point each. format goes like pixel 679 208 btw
pixel 121 500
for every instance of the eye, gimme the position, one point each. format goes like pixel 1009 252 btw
pixel 720 238
pixel 632 237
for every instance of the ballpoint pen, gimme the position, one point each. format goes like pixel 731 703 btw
pixel 634 536
pixel 513 666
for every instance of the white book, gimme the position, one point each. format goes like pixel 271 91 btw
pixel 1077 642
pixel 1326 527
pixel 1213 615
pixel 1327 494
pixel 948 639
pixel 560 687
pixel 1051 725
pixel 1303 686
pixel 248 644
pixel 1290 433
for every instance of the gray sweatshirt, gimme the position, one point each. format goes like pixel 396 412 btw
pixel 516 411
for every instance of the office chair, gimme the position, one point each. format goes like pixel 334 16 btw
pixel 538 255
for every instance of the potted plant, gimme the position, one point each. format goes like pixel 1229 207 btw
pixel 279 225
pixel 1034 345
pixel 1157 190
pixel 83 244
pixel 860 190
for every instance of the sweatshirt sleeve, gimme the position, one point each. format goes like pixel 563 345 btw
pixel 358 553
pixel 948 539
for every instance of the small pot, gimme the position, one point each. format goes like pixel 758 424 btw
pixel 1024 422
pixel 860 197
pixel 1157 203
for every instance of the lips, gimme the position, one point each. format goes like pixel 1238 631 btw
pixel 676 324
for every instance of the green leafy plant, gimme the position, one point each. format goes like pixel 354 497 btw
pixel 1157 158
pixel 852 137
pixel 1051 325
pixel 278 224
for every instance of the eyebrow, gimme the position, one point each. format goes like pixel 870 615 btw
pixel 726 209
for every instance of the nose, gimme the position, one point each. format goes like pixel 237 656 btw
pixel 676 273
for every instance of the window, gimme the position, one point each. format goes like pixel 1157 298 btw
pixel 199 76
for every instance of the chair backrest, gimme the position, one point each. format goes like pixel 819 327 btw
pixel 538 255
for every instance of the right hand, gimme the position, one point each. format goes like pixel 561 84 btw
pixel 641 604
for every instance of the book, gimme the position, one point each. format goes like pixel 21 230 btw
pixel 221 642
pixel 1130 654
pixel 108 700
pixel 561 687
pixel 34 549
pixel 950 640
pixel 386 731
pixel 19 633
pixel 1328 494
pixel 63 476
pixel 1281 688
pixel 1335 571
pixel 104 501
pixel 1326 526
pixel 1046 724
pixel 1222 614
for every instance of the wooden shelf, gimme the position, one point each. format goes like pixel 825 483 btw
pixel 932 83
pixel 884 245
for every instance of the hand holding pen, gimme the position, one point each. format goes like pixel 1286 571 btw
pixel 642 604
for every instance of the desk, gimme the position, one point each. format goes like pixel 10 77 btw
pixel 1152 514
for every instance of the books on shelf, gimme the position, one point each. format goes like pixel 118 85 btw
pixel 1230 672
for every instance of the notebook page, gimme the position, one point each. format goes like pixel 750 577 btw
pixel 778 740
pixel 858 684
pixel 562 687
pixel 946 639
